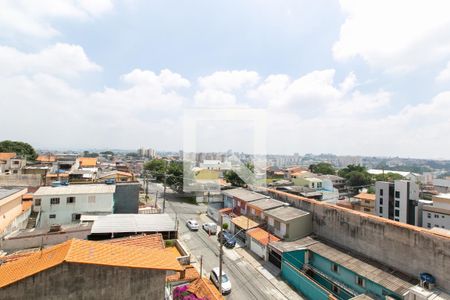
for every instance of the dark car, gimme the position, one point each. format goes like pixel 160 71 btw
pixel 227 239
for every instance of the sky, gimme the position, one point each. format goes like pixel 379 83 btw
pixel 350 77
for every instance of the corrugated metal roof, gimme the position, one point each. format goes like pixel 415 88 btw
pixel 133 223
pixel 75 189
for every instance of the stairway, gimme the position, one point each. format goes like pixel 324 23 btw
pixel 32 220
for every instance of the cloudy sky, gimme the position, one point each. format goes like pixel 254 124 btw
pixel 346 77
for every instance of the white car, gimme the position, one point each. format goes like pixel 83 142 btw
pixel 226 283
pixel 210 228
pixel 192 224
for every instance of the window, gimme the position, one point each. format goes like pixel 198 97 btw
pixel 442 216
pixel 367 201
pixel 360 281
pixel 436 216
pixel 335 289
pixel 54 200
pixel 397 194
pixel 76 217
pixel 381 201
pixel 91 199
pixel 397 213
pixel 381 210
pixel 335 268
pixel 366 209
pixel 52 216
pixel 428 225
pixel 397 203
pixel 37 202
pixel 429 215
pixel 277 225
pixel 70 200
pixel 381 192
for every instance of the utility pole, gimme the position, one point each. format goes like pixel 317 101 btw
pixel 164 192
pixel 201 266
pixel 220 257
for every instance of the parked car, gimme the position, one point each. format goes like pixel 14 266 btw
pixel 227 239
pixel 192 224
pixel 226 283
pixel 211 228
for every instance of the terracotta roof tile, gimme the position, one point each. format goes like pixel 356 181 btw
pixel 366 196
pixel 204 289
pixel 87 161
pixel 87 252
pixel 262 236
pixel 153 241
pixel 7 155
pixel 46 158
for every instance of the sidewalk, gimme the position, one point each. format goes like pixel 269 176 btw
pixel 271 273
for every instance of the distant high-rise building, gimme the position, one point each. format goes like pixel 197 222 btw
pixel 397 200
pixel 150 153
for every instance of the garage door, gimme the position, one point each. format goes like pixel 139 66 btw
pixel 275 258
pixel 257 248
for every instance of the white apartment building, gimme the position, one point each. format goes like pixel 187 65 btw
pixel 397 200
pixel 66 204
pixel 437 214
pixel 215 165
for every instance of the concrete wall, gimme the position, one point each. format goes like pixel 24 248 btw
pixel 83 281
pixel 402 247
pixel 24 242
pixel 126 198
pixel 24 180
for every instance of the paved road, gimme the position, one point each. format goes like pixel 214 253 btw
pixel 247 282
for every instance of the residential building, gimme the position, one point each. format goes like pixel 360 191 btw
pixel 321 271
pixel 442 185
pixel 256 208
pixel 437 214
pixel 13 213
pixel 414 177
pixel 397 200
pixel 240 225
pixel 364 202
pixel 257 241
pixel 237 199
pixel 150 153
pixel 78 269
pixel 115 175
pixel 310 182
pixel 289 223
pixel 66 204
pixel 10 163
pixel 336 181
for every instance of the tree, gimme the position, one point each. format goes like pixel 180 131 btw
pixel 322 168
pixel 156 167
pixel 356 175
pixel 106 153
pixel 20 148
pixel 90 154
pixel 234 179
pixel 389 176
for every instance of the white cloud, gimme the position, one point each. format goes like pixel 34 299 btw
pixel 166 79
pixel 33 18
pixel 229 80
pixel 444 75
pixel 396 36
pixel 214 98
pixel 63 59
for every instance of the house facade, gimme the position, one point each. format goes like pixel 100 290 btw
pixel 437 214
pixel 66 204
pixel 12 213
pixel 289 223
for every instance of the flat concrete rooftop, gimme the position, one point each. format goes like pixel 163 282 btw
pixel 286 213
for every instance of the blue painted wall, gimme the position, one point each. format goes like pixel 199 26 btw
pixel 296 259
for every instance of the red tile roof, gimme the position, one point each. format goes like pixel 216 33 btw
pixel 153 241
pixel 190 274
pixel 7 155
pixel 204 289
pixel 87 252
pixel 262 236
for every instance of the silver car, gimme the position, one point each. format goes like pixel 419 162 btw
pixel 210 228
pixel 192 224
